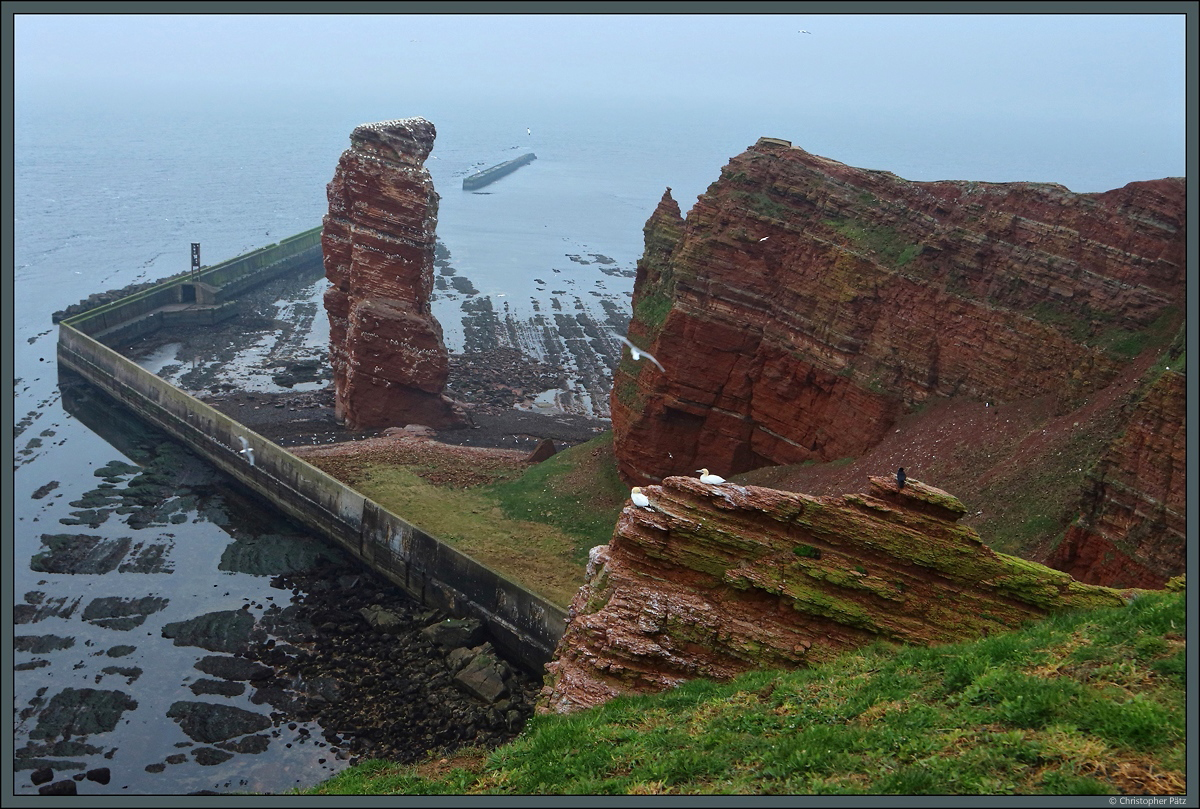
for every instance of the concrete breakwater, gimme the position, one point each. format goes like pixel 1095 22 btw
pixel 490 175
pixel 523 625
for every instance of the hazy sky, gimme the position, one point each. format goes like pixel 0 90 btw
pixel 1090 65
pixel 1116 81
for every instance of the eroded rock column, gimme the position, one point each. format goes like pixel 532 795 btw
pixel 389 361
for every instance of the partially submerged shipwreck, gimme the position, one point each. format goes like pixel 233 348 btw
pixel 489 175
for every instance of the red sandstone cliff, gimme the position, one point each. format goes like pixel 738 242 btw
pixel 712 581
pixel 1133 530
pixel 389 362
pixel 804 306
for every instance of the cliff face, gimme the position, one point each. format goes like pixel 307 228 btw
pixel 1133 529
pixel 389 362
pixel 803 305
pixel 712 581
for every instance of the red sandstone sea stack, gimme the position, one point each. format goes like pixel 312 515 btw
pixel 389 361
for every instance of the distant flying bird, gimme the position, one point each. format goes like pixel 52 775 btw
pixel 900 478
pixel 805 32
pixel 705 477
pixel 527 131
pixel 764 238
pixel 640 500
pixel 639 353
pixel 246 450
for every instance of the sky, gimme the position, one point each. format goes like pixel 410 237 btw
pixel 1088 100
pixel 1092 66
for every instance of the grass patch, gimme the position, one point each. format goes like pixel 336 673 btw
pixel 882 241
pixel 538 556
pixel 535 526
pixel 1125 344
pixel 1034 504
pixel 762 204
pixel 1078 704
pixel 651 310
pixel 577 491
pixel 1070 323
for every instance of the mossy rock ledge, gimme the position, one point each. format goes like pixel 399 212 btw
pixel 714 580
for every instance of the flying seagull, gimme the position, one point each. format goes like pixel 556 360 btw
pixel 639 353
pixel 640 500
pixel 764 238
pixel 528 131
pixel 804 32
pixel 246 449
pixel 705 477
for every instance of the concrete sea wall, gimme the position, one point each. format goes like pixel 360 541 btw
pixel 522 624
pixel 216 287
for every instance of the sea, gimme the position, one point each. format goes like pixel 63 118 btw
pixel 111 191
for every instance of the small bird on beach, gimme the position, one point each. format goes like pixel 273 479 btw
pixel 706 477
pixel 246 450
pixel 639 499
pixel 900 478
pixel 639 353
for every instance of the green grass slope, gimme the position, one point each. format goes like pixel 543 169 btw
pixel 1090 702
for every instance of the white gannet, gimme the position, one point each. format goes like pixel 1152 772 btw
pixel 705 477
pixel 246 450
pixel 640 500
pixel 639 353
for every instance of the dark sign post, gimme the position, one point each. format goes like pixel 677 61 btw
pixel 195 259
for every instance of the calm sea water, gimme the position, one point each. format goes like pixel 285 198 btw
pixel 113 191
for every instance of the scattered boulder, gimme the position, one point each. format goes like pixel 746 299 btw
pixel 208 757
pixel 66 787
pixel 382 618
pixel 542 451
pixel 455 632
pixel 100 775
pixel 484 677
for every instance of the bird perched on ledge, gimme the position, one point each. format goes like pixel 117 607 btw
pixel 706 477
pixel 900 478
pixel 639 499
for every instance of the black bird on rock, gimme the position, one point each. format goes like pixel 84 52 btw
pixel 900 478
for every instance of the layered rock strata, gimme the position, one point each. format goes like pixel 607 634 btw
pixel 389 361
pixel 1133 528
pixel 803 305
pixel 712 581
